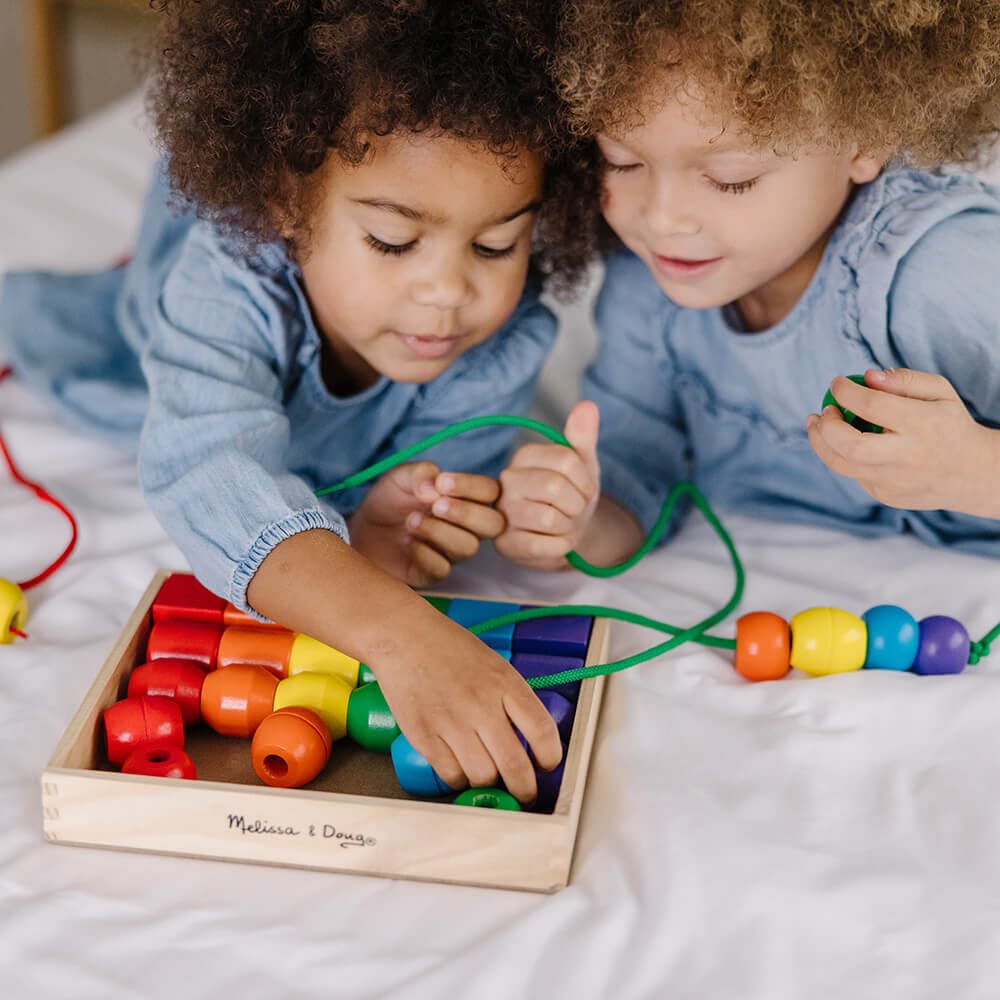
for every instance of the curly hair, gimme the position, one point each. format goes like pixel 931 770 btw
pixel 249 97
pixel 920 78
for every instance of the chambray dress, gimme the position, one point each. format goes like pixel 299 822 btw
pixel 208 364
pixel 910 278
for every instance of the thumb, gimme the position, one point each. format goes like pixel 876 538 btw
pixel 910 383
pixel 581 431
pixel 416 478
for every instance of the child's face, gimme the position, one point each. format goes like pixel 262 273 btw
pixel 418 254
pixel 717 220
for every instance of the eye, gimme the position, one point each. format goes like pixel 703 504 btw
pixel 620 168
pixel 736 187
pixel 492 253
pixel 389 249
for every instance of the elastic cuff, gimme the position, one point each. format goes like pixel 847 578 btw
pixel 305 520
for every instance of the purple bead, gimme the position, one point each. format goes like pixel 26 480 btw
pixel 944 646
pixel 565 635
pixel 560 708
pixel 530 665
pixel 549 782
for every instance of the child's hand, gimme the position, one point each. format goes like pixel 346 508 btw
pixel 931 455
pixel 549 494
pixel 417 522
pixel 457 700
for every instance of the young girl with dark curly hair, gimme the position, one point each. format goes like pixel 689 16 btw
pixel 773 233
pixel 369 177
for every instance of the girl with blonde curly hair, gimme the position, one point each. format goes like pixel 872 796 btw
pixel 783 207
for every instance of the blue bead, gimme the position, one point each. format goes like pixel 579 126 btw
pixel 944 646
pixel 893 638
pixel 415 775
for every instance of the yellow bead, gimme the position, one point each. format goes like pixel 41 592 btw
pixel 325 694
pixel 828 641
pixel 13 609
pixel 311 655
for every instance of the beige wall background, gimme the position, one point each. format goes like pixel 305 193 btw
pixel 96 45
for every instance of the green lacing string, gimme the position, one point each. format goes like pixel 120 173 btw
pixel 680 635
pixel 695 633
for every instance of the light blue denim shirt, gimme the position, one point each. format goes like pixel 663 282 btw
pixel 209 364
pixel 910 278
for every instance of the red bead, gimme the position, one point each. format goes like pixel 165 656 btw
pixel 134 722
pixel 159 760
pixel 183 598
pixel 185 641
pixel 178 680
pixel 762 646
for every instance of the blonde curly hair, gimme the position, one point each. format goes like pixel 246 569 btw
pixel 920 78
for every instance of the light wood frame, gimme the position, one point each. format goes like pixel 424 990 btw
pixel 86 804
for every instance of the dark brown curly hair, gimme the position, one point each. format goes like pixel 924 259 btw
pixel 920 78
pixel 250 96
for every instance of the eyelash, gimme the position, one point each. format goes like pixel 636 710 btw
pixel 740 187
pixel 398 249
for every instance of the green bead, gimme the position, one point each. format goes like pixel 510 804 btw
pixel 441 603
pixel 365 674
pixel 369 720
pixel 858 423
pixel 488 798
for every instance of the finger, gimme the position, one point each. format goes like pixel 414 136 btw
pixel 440 756
pixel 910 383
pixel 474 758
pixel 510 757
pixel 427 561
pixel 530 545
pixel 453 543
pixel 417 478
pixel 889 411
pixel 843 448
pixel 529 715
pixel 581 430
pixel 546 487
pixel 553 459
pixel 480 489
pixel 482 521
pixel 542 518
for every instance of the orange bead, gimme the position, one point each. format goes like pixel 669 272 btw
pixel 268 648
pixel 291 746
pixel 231 615
pixel 762 646
pixel 236 699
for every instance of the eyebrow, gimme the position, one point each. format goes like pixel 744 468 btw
pixel 418 215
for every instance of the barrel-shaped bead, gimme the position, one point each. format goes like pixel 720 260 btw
pixel 944 646
pixel 139 720
pixel 763 643
pixel 235 700
pixel 326 694
pixel 370 722
pixel 828 641
pixel 291 746
pixel 893 637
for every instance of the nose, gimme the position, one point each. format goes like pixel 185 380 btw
pixel 668 212
pixel 445 287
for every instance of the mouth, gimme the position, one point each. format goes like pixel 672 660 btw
pixel 428 347
pixel 684 267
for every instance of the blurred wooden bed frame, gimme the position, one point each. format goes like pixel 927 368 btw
pixel 45 24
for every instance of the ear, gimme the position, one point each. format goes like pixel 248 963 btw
pixel 866 167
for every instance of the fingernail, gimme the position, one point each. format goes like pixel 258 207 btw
pixel 879 376
pixel 413 520
pixel 810 420
pixel 426 491
pixel 445 483
pixel 441 506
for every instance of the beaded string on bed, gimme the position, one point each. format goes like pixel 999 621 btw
pixel 696 633
pixel 42 494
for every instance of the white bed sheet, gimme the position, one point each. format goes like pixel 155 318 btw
pixel 832 838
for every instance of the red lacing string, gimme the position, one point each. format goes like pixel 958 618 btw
pixel 42 494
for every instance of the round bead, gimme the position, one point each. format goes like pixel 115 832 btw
pixel 488 798
pixel 139 720
pixel 944 646
pixel 893 637
pixel 415 775
pixel 236 700
pixel 159 760
pixel 309 654
pixel 291 746
pixel 326 694
pixel 13 610
pixel 365 674
pixel 762 646
pixel 178 680
pixel 858 423
pixel 370 722
pixel 828 641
